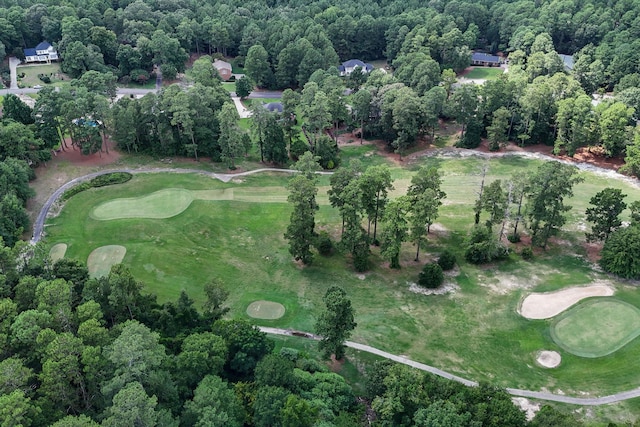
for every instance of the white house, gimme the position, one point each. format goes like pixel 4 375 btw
pixel 44 52
pixel 349 66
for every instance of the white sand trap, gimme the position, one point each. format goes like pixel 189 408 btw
pixel 548 359
pixel 103 258
pixel 57 251
pixel 268 310
pixel 549 304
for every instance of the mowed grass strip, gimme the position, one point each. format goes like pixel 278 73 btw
pixel 597 328
pixel 57 251
pixel 158 205
pixel 103 258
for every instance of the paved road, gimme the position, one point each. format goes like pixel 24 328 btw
pixel 262 94
pixel 584 401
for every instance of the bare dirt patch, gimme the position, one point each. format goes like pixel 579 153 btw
pixel 549 304
pixel 548 359
pixel 530 408
pixel 63 167
pixel 448 287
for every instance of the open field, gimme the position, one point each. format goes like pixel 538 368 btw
pixel 474 332
pixel 597 327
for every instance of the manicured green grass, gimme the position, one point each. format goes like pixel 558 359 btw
pixel 31 74
pixel 229 86
pixel 57 251
pixel 597 327
pixel 487 73
pixel 474 332
pixel 101 259
pixel 269 310
pixel 160 204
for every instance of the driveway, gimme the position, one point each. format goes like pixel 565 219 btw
pixel 13 65
pixel 242 111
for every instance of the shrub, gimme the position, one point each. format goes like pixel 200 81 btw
pixel 289 353
pixel 110 179
pixel 514 238
pixel 139 76
pixel 472 136
pixel 298 148
pixel 483 247
pixel 431 276
pixel 447 260
pixel 360 254
pixel 99 181
pixel 324 244
pixel 527 253
pixel 44 78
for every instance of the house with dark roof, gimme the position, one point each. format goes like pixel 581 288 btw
pixel 567 60
pixel 484 59
pixel 274 107
pixel 223 68
pixel 44 52
pixel 348 67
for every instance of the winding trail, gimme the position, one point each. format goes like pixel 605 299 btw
pixel 540 395
pixel 38 229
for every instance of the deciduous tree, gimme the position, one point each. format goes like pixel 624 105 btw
pixel 547 190
pixel 604 213
pixel 395 231
pixel 335 323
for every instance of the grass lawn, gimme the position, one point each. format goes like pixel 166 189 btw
pixel 229 86
pixel 150 84
pixel 31 75
pixel 250 101
pixel 487 73
pixel 596 328
pixel 474 331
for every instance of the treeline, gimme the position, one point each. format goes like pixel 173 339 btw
pixel 81 351
pixel 127 36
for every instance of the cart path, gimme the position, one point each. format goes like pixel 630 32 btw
pixel 584 401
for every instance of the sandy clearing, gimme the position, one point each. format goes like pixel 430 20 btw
pixel 549 304
pixel 530 408
pixel 548 359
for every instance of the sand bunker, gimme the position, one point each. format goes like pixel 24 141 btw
pixel 268 310
pixel 548 359
pixel 103 258
pixel 57 251
pixel 549 304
